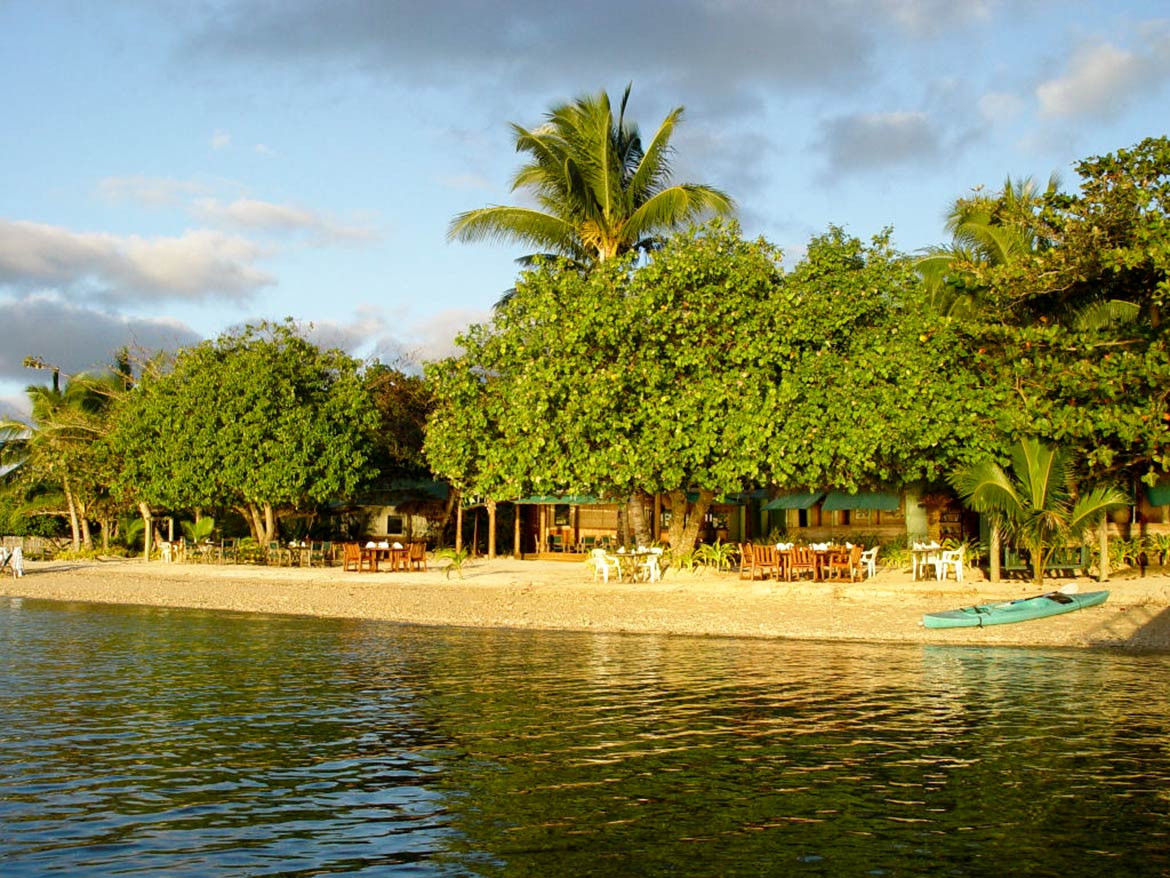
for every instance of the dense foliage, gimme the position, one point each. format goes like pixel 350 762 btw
pixel 708 370
pixel 698 369
pixel 260 420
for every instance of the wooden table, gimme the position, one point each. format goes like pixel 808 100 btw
pixel 397 557
pixel 630 564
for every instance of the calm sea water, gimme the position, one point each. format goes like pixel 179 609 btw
pixel 164 742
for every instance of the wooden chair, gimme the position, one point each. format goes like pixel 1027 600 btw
pixel 765 559
pixel 278 554
pixel 416 556
pixel 318 553
pixel 229 551
pixel 801 560
pixel 746 553
pixel 845 564
pixel 354 558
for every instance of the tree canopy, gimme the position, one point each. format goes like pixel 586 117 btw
pixel 600 192
pixel 260 419
pixel 707 370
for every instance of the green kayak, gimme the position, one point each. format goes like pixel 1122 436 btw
pixel 1042 605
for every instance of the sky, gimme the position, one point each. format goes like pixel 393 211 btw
pixel 172 169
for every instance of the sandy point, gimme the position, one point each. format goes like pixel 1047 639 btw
pixel 552 595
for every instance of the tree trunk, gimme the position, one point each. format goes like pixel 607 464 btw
pixel 698 513
pixel 83 520
pixel 1038 565
pixel 491 508
pixel 76 530
pixel 448 511
pixel 636 508
pixel 147 531
pixel 996 550
pixel 270 522
pixel 458 525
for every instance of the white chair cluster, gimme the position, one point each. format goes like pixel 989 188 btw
pixel 13 560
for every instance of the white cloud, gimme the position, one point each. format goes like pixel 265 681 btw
pixel 464 182
pixel 866 141
pixel 1102 79
pixel 221 140
pixel 1000 107
pixel 251 214
pixel 76 338
pixel 153 192
pixel 932 16
pixel 200 264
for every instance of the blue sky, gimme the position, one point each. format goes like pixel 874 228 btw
pixel 174 168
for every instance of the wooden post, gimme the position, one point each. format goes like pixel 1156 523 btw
pixel 491 508
pixel 459 525
pixel 516 551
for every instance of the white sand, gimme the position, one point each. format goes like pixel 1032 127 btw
pixel 555 595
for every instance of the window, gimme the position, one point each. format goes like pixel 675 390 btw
pixel 561 514
pixel 394 525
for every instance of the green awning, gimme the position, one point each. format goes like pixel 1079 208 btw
pixel 566 500
pixel 795 501
pixel 1158 495
pixel 879 500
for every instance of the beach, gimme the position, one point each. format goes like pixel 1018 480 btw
pixel 560 595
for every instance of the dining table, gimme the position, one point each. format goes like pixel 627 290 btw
pixel 922 558
pixel 393 554
pixel 631 564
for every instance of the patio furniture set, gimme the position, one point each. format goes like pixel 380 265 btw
pixel 821 562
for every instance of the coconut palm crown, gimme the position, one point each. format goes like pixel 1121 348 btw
pixel 599 192
pixel 1035 503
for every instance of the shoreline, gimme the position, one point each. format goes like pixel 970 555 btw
pixel 561 596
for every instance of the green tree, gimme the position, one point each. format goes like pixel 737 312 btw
pixel 869 385
pixel 1078 331
pixel 617 383
pixel 403 402
pixel 260 419
pixel 1035 504
pixel 600 192
pixel 987 230
pixel 63 445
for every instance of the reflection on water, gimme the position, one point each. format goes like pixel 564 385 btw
pixel 144 741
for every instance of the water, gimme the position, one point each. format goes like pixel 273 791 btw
pixel 163 742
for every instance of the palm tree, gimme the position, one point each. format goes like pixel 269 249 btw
pixel 599 192
pixel 1035 503
pixel 986 231
pixel 58 445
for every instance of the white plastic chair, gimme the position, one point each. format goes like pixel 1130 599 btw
pixel 949 559
pixel 649 569
pixel 17 561
pixel 869 561
pixel 602 562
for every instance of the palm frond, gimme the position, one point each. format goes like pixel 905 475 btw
pixel 675 206
pixel 1103 315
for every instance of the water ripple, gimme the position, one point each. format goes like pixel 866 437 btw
pixel 140 741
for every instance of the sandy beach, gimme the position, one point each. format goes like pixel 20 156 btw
pixel 551 595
